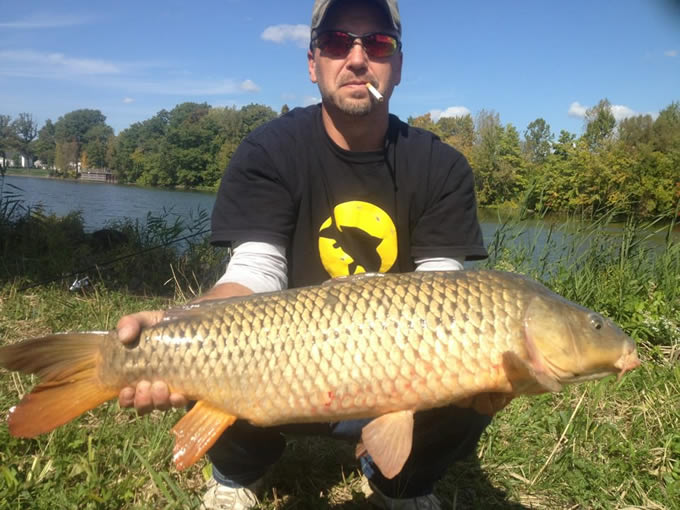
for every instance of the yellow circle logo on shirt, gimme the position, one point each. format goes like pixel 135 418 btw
pixel 360 237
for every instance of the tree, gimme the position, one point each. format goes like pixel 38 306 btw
pixel 25 130
pixel 459 132
pixel 636 131
pixel 74 127
pixel 66 156
pixel 565 144
pixel 666 129
pixel 7 140
pixel 284 109
pixel 45 145
pixel 485 157
pixel 96 144
pixel 600 124
pixel 538 140
pixel 424 122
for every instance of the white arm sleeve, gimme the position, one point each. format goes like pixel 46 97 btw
pixel 439 264
pixel 262 267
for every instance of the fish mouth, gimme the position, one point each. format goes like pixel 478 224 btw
pixel 628 361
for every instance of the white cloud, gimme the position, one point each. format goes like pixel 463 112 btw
pixel 132 77
pixel 671 53
pixel 619 111
pixel 184 87
pixel 34 64
pixel 451 111
pixel 576 109
pixel 249 86
pixel 280 34
pixel 45 21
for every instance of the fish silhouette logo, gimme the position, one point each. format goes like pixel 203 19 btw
pixel 358 238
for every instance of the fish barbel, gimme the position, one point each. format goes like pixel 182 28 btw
pixel 380 346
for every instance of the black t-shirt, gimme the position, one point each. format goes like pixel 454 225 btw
pixel 340 212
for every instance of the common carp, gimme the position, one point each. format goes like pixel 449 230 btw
pixel 381 346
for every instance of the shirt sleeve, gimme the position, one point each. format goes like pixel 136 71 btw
pixel 261 267
pixel 253 202
pixel 448 225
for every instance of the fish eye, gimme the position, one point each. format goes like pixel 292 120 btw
pixel 596 321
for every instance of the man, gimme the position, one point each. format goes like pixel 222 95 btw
pixel 338 189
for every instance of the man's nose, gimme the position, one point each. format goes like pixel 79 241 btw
pixel 357 56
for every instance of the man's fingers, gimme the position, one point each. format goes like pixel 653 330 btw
pixel 143 400
pixel 130 326
pixel 160 396
pixel 126 397
pixel 178 400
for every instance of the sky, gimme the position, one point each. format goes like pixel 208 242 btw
pixel 523 59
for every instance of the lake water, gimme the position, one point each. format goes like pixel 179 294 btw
pixel 102 204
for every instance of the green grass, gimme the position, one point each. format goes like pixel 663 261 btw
pixel 606 444
pixel 28 172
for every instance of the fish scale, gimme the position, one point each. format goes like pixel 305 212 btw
pixel 370 346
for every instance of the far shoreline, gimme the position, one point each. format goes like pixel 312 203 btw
pixel 44 174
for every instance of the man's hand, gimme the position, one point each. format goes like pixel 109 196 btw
pixel 148 395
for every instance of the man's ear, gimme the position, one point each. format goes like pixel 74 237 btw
pixel 312 66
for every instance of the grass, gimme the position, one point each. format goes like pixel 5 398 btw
pixel 606 444
pixel 30 172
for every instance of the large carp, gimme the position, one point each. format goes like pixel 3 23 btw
pixel 380 346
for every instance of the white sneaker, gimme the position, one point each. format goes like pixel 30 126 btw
pixel 222 497
pixel 377 498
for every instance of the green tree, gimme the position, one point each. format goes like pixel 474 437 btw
pixel 66 157
pixel 538 140
pixel 424 122
pixel 96 141
pixel 7 139
pixel 600 125
pixel 666 129
pixel 74 127
pixel 459 132
pixel 25 130
pixel 636 131
pixel 45 145
pixel 143 140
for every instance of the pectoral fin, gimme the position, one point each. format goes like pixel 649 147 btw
pixel 388 440
pixel 525 378
pixel 197 431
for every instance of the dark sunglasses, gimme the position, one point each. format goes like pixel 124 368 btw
pixel 336 43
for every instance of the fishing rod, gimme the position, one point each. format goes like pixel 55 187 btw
pixel 77 284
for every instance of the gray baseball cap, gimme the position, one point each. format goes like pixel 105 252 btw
pixel 390 7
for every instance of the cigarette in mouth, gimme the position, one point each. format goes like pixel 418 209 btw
pixel 377 95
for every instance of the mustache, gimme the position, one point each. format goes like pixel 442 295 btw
pixel 354 79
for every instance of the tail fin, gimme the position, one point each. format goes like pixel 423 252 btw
pixel 67 366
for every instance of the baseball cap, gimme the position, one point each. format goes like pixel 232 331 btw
pixel 320 9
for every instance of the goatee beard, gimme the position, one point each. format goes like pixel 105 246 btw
pixel 353 108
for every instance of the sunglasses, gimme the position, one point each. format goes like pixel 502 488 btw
pixel 337 44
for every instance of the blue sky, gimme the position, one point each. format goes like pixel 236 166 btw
pixel 523 59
